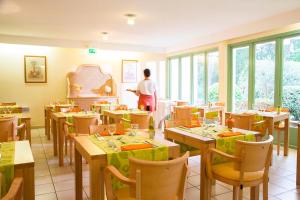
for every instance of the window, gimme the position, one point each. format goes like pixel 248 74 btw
pixel 186 78
pixel 199 78
pixel 174 69
pixel 264 74
pixel 240 73
pixel 213 76
pixel 194 77
pixel 162 80
pixel 291 76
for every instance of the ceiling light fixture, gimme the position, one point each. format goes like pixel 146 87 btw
pixel 104 36
pixel 130 19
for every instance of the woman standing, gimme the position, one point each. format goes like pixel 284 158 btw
pixel 146 91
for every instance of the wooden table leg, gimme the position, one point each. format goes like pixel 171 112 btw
pixel 29 183
pixel 45 115
pixel 286 137
pixel 298 158
pixel 270 126
pixel 61 141
pixel 96 180
pixel 78 175
pixel 254 193
pixel 205 182
pixel 28 130
pixel 54 135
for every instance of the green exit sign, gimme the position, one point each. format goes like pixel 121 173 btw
pixel 92 50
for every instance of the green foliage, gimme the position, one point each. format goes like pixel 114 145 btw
pixel 291 100
pixel 213 92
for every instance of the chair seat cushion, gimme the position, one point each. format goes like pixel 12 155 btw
pixel 227 171
pixel 123 194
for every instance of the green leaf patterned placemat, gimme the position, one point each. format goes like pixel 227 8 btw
pixel 7 150
pixel 119 159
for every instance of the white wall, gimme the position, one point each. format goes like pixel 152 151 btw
pixel 59 62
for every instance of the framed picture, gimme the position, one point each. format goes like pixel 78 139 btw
pixel 129 71
pixel 35 69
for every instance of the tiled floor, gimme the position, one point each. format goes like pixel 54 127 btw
pixel 53 182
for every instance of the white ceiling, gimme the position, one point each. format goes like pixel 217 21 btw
pixel 159 23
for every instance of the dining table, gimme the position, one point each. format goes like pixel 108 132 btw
pixel 98 158
pixel 271 118
pixel 22 118
pixel 18 161
pixel 14 109
pixel 57 122
pixel 117 115
pixel 48 110
pixel 204 138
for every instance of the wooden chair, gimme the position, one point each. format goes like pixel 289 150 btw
pixel 182 103
pixel 220 104
pixel 9 128
pixel 101 127
pixel 15 191
pixel 169 123
pixel 148 180
pixel 8 104
pixel 138 118
pixel 248 122
pixel 248 167
pixel 81 126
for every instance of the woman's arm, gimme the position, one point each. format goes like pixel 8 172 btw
pixel 136 92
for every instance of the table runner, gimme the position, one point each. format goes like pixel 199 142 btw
pixel 225 144
pixel 119 159
pixel 7 150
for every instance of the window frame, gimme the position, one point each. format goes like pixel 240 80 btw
pixel 190 55
pixel 279 65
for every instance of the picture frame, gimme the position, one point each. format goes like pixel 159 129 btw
pixel 35 69
pixel 129 71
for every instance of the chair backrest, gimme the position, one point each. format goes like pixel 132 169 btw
pixel 159 180
pixel 242 121
pixel 141 119
pixel 63 108
pixel 256 156
pixel 97 128
pixel 100 128
pixel 83 123
pixel 181 103
pixel 183 113
pixel 8 128
pixel 220 104
pixel 169 123
pixel 273 109
pixel 8 104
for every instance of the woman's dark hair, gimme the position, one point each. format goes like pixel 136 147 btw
pixel 147 72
